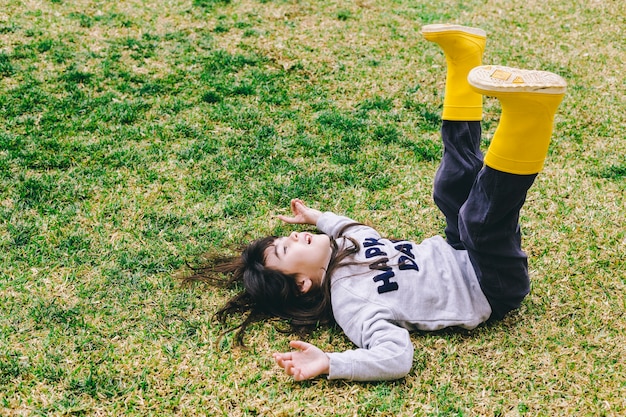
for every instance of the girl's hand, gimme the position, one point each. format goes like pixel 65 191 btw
pixel 306 362
pixel 301 214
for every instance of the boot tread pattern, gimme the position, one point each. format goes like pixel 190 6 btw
pixel 447 27
pixel 508 79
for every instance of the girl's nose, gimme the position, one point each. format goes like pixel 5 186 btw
pixel 294 236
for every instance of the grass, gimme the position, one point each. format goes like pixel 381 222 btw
pixel 138 135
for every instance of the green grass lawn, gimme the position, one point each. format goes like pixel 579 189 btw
pixel 138 135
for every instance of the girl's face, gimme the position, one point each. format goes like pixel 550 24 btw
pixel 304 254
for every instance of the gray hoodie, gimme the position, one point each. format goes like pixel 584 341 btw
pixel 397 286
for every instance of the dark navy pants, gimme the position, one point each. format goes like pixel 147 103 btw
pixel 482 207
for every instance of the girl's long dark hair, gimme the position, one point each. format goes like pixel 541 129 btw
pixel 268 293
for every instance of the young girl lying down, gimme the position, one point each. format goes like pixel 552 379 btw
pixel 378 290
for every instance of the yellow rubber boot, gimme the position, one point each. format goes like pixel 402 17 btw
pixel 463 48
pixel 529 100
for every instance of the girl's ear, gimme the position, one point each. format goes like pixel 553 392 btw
pixel 304 284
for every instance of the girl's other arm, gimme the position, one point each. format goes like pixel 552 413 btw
pixel 306 362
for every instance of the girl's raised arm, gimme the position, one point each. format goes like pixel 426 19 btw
pixel 301 214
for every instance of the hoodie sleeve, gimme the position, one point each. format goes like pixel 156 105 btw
pixel 387 354
pixel 331 224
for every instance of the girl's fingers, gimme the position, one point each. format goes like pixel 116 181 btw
pixel 298 344
pixel 282 357
pixel 287 219
pixel 294 205
pixel 297 205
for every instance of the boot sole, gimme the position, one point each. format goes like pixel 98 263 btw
pixel 498 78
pixel 441 28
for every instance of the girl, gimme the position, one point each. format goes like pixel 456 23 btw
pixel 377 289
